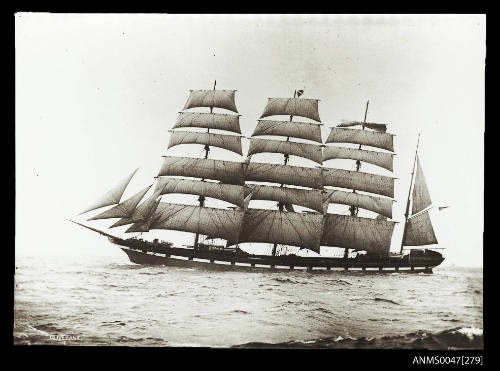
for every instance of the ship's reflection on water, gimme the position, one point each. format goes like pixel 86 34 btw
pixel 110 301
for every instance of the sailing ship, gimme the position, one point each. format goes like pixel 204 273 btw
pixel 300 221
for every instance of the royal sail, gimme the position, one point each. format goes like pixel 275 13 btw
pixel 211 98
pixel 363 137
pixel 294 129
pixel 292 107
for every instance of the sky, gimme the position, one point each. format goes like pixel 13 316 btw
pixel 97 93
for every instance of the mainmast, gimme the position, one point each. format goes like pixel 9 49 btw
pixel 201 198
pixel 355 209
pixel 286 157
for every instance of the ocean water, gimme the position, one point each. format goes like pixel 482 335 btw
pixel 107 300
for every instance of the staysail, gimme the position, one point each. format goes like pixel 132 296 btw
pixel 125 209
pixel 419 231
pixel 421 198
pixel 113 196
pixel 142 213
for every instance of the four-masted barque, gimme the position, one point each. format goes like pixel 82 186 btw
pixel 364 240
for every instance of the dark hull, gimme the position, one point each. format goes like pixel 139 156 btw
pixel 144 252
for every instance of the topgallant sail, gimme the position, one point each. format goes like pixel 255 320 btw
pixel 303 192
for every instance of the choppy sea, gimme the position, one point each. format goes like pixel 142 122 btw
pixel 105 300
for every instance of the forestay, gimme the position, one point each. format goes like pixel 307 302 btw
pixel 364 137
pixel 229 142
pixel 226 171
pixel 381 159
pixel 305 150
pixel 292 106
pixel 211 98
pixel 352 232
pixel 217 121
pixel 294 129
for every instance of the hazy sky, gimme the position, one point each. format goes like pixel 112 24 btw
pixel 97 93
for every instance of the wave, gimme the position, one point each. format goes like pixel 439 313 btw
pixel 385 301
pixel 452 339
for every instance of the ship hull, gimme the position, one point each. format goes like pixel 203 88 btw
pixel 143 252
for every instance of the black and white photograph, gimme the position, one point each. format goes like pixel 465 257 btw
pixel 249 181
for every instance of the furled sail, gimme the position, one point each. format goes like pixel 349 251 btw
pixel 285 174
pixel 216 223
pixel 379 184
pixel 381 159
pixel 271 226
pixel 292 106
pixel 371 125
pixel 364 137
pixel 420 197
pixel 311 199
pixel 379 205
pixel 211 98
pixel 226 192
pixel 419 231
pixel 229 142
pixel 353 232
pixel 113 196
pixel 302 130
pixel 226 171
pixel 142 213
pixel 305 150
pixel 124 209
pixel 217 121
